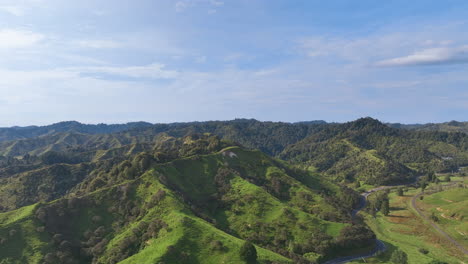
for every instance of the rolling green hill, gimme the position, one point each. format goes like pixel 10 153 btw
pixel 195 192
pixel 452 126
pixel 369 151
pixel 188 200
pixel 15 133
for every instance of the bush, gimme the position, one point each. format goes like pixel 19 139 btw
pixel 385 208
pixel 399 257
pixel 357 185
pixel 424 251
pixel 248 253
pixel 355 236
pixel 400 191
pixel 434 217
pixel 217 245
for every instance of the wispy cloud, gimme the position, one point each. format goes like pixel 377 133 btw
pixel 433 56
pixel 12 38
pixel 13 10
pixel 152 71
pixel 391 47
pixel 99 44
pixel 185 4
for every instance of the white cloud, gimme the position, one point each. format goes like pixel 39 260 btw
pixel 11 38
pixel 152 71
pixel 13 10
pixel 20 7
pixel 184 4
pixel 433 56
pixel 99 44
pixel 390 46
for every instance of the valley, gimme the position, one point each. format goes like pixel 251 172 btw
pixel 199 192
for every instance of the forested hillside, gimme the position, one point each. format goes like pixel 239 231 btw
pixel 203 192
pixel 13 133
pixel 452 126
pixel 187 200
pixel 370 151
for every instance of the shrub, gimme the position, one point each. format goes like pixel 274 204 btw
pixel 217 245
pixel 400 191
pixel 434 217
pixel 357 185
pixel 399 257
pixel 424 251
pixel 355 236
pixel 385 209
pixel 248 253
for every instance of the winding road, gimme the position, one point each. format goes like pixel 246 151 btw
pixel 379 245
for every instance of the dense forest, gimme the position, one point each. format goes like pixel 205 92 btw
pixel 240 191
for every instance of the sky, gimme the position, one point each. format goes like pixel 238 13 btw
pixel 116 61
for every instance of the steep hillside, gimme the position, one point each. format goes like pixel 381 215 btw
pixel 195 192
pixel 364 150
pixel 53 174
pixel 14 133
pixel 370 151
pixel 269 137
pixel 452 126
pixel 196 207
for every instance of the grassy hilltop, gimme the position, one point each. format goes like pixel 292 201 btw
pixel 196 192
pixel 190 209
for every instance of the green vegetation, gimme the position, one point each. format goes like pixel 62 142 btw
pixel 190 200
pixel 248 253
pixel 452 126
pixel 449 209
pixel 211 192
pixel 405 231
pixel 399 257
pixel 369 151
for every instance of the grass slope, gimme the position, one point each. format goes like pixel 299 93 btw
pixel 451 209
pixel 198 209
pixel 403 229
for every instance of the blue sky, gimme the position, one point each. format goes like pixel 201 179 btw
pixel 116 61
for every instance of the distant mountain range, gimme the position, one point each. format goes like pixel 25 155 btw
pixel 12 133
pixel 16 132
pixel 452 126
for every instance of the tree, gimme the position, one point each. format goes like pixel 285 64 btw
pixel 373 211
pixel 248 253
pixel 431 176
pixel 357 185
pixel 399 257
pixel 385 209
pixel 400 191
pixel 434 217
pixel 423 186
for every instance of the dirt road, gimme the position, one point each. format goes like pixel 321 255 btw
pixel 436 227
